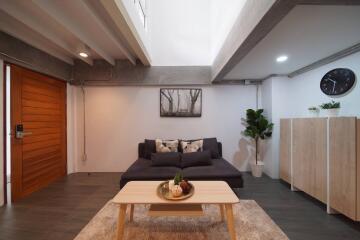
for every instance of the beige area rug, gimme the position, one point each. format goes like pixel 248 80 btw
pixel 250 220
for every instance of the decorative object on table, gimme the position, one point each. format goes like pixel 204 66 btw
pixel 180 102
pixel 257 127
pixel 337 81
pixel 314 111
pixel 332 108
pixel 176 189
pixel 165 192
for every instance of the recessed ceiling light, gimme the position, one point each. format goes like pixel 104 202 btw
pixel 83 54
pixel 281 58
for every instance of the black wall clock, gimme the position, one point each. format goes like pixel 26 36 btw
pixel 337 81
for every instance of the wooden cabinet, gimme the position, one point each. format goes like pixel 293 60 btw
pixel 285 149
pixel 309 156
pixel 358 169
pixel 342 165
pixel 321 156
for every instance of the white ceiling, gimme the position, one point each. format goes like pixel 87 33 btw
pixel 64 28
pixel 307 34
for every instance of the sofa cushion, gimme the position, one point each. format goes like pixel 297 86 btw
pixel 220 169
pixel 142 169
pixel 211 144
pixel 195 159
pixel 166 159
pixel 167 145
pixel 149 148
pixel 188 146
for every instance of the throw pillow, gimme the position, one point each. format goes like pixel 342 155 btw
pixel 166 145
pixel 166 159
pixel 149 148
pixel 211 144
pixel 196 159
pixel 192 146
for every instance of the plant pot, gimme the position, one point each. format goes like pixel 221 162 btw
pixel 333 112
pixel 257 169
pixel 314 113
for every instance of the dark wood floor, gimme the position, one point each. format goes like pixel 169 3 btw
pixel 61 210
pixel 298 215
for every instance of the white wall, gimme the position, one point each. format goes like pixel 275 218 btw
pixel 291 97
pixel 1 133
pixel 118 118
pixel 75 125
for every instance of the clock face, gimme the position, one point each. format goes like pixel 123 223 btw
pixel 337 82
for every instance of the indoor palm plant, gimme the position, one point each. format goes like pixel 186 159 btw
pixel 257 127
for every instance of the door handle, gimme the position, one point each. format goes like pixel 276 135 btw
pixel 19 131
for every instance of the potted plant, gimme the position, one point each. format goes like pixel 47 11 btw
pixel 332 108
pixel 257 127
pixel 314 111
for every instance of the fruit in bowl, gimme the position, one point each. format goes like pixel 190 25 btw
pixel 185 186
pixel 176 191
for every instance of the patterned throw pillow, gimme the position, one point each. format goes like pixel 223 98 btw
pixel 166 145
pixel 192 146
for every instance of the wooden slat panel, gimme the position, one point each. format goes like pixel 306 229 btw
pixel 37 104
pixel 32 169
pixel 342 147
pixel 41 125
pixel 42 131
pixel 39 138
pixel 39 152
pixel 309 156
pixel 285 141
pixel 48 170
pixel 39 98
pixel 41 118
pixel 41 157
pixel 42 111
pixel 42 83
pixel 32 89
pixel 40 145
pixel 358 169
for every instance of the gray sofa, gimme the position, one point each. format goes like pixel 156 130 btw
pixel 220 169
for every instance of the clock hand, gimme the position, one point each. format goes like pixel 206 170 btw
pixel 332 80
pixel 334 87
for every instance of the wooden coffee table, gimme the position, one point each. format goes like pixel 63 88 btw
pixel 206 192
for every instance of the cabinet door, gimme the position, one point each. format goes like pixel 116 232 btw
pixel 309 156
pixel 285 148
pixel 342 159
pixel 358 169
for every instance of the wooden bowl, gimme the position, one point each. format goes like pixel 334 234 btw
pixel 164 192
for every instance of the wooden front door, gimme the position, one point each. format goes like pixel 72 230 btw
pixel 38 152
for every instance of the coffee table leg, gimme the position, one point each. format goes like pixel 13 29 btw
pixel 131 212
pixel 221 206
pixel 121 222
pixel 230 221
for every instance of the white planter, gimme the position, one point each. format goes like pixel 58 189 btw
pixel 333 112
pixel 257 169
pixel 314 113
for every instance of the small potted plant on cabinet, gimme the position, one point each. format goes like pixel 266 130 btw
pixel 332 108
pixel 314 111
pixel 257 127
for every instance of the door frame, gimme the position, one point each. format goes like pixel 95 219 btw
pixel 6 63
pixel 4 132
